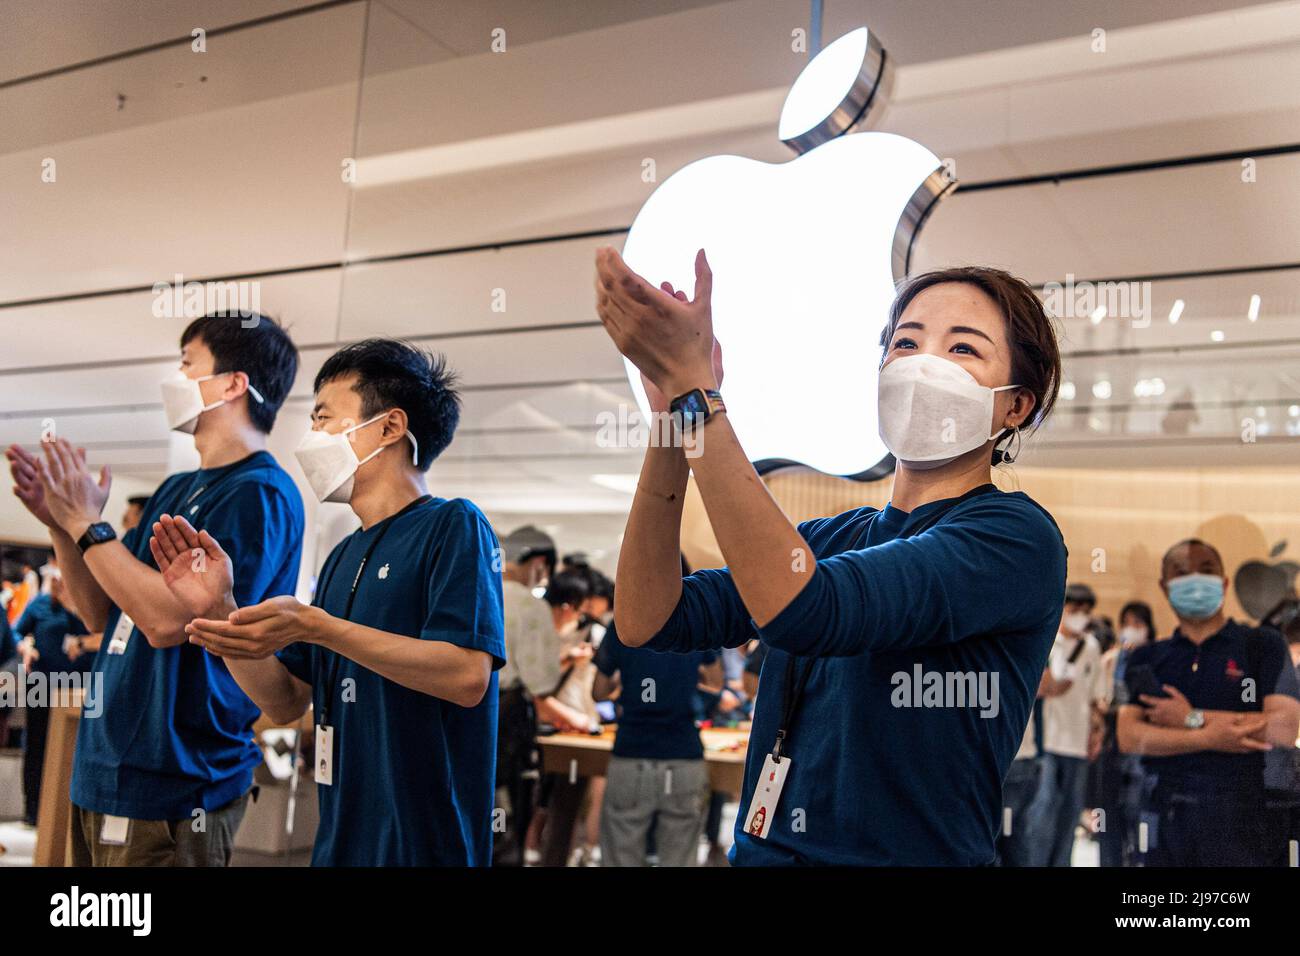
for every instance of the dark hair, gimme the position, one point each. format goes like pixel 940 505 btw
pixel 598 584
pixel 1142 611
pixel 1077 593
pixel 259 347
pixel 138 500
pixel 1189 543
pixel 1035 353
pixel 395 374
pixel 567 587
pixel 1103 631
pixel 602 586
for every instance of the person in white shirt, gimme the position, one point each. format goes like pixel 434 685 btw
pixel 526 682
pixel 1072 690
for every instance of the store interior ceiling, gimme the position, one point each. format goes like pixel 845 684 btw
pixel 494 176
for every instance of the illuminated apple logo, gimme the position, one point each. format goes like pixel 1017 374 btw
pixel 805 255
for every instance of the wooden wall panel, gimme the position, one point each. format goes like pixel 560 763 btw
pixel 1116 523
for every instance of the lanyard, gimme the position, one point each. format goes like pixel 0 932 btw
pixel 794 689
pixel 795 685
pixel 335 662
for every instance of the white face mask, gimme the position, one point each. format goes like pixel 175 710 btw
pixel 932 410
pixel 1132 635
pixel 330 462
pixel 183 401
pixel 1077 622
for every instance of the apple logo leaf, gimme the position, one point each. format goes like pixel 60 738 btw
pixel 1277 548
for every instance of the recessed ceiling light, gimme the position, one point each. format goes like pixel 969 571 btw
pixel 1067 391
pixel 1098 314
pixel 1176 312
pixel 1101 389
pixel 1252 312
pixel 1216 335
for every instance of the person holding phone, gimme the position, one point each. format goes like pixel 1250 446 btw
pixel 952 582
pixel 1206 704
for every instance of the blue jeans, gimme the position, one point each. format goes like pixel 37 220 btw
pixel 1054 812
pixel 1018 792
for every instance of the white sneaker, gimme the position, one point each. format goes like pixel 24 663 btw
pixel 532 857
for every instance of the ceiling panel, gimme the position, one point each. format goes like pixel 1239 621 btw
pixel 1170 220
pixel 241 174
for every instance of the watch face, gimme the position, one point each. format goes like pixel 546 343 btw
pixel 692 404
pixel 100 532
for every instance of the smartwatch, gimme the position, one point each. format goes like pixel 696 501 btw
pixel 696 407
pixel 1194 720
pixel 97 533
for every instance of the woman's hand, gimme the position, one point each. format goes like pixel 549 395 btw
pixel 667 337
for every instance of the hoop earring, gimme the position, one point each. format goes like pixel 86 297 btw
pixel 1007 456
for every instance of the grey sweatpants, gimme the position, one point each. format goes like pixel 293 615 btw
pixel 676 792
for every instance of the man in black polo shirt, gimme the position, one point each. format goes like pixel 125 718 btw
pixel 1213 698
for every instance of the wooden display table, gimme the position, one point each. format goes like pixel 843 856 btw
pixel 586 755
pixel 54 815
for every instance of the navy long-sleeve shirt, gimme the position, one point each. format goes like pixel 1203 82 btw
pixel 926 634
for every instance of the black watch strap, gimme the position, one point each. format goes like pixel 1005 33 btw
pixel 97 533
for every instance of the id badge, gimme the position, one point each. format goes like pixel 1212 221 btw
pixel 325 755
pixel 121 634
pixel 114 830
pixel 762 808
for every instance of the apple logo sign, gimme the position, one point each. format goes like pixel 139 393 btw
pixel 805 256
pixel 1261 587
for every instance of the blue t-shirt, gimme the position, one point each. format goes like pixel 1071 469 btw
pixel 656 710
pixel 176 732
pixel 8 643
pixel 413 774
pixel 884 770
pixel 1213 676
pixel 48 625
